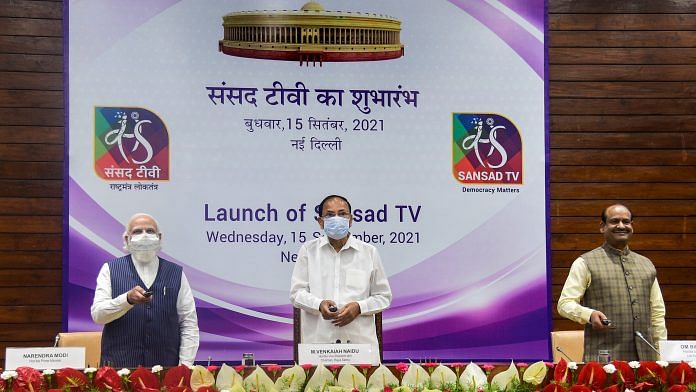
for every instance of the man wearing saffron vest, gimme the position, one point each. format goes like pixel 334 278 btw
pixel 621 299
pixel 339 282
pixel 145 303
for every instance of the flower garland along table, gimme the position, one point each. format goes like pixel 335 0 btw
pixel 618 376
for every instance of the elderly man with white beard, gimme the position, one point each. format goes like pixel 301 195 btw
pixel 145 303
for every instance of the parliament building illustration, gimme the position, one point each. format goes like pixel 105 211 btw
pixel 311 34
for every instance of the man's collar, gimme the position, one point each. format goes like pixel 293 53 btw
pixel 614 251
pixel 352 242
pixel 323 241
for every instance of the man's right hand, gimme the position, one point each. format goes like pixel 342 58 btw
pixel 596 320
pixel 136 295
pixel 324 309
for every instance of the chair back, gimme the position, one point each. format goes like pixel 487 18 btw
pixel 91 341
pixel 297 332
pixel 571 342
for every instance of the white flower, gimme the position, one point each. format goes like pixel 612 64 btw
pixel 48 372
pixel 157 369
pixel 609 368
pixel 123 372
pixel 90 370
pixel 634 365
pixel 629 390
pixel 663 364
pixel 572 365
pixel 692 364
pixel 8 374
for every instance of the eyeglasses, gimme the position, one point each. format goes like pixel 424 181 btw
pixel 341 214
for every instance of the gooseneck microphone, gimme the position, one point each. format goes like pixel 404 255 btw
pixel 558 348
pixel 640 335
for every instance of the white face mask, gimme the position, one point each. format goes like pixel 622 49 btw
pixel 144 246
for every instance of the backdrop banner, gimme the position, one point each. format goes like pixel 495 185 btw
pixel 229 121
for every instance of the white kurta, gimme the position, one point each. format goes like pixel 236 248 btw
pixel 354 274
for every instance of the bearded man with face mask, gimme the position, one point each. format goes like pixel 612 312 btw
pixel 339 282
pixel 145 303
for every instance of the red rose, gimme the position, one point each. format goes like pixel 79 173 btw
pixel 487 367
pixel 239 368
pixel 334 367
pixel 213 368
pixel 273 368
pixel 402 367
pixel 457 365
pixel 523 365
pixel 307 366
pixel 387 388
pixel 365 366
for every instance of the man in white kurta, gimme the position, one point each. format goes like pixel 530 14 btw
pixel 339 283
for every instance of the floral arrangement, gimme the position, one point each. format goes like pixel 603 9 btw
pixel 621 376
pixel 618 376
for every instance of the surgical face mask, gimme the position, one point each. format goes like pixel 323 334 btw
pixel 336 227
pixel 144 246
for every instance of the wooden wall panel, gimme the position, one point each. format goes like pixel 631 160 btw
pixel 31 171
pixel 623 128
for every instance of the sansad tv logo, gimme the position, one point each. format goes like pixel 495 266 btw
pixel 487 149
pixel 131 144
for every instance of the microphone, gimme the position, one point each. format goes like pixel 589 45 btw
pixel 640 335
pixel 558 348
pixel 55 342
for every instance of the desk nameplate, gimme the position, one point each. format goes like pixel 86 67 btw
pixel 678 350
pixel 45 357
pixel 340 354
